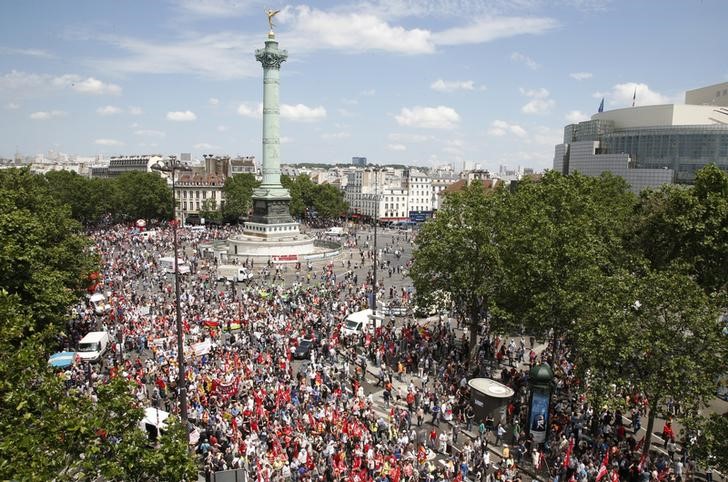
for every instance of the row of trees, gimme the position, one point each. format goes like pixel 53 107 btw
pixel 634 285
pixel 141 195
pixel 46 431
pixel 306 196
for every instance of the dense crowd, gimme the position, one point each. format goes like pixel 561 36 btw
pixel 390 404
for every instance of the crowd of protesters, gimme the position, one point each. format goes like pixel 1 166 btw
pixel 389 404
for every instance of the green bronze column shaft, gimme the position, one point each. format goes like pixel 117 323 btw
pixel 271 58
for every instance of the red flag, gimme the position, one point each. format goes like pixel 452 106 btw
pixel 568 453
pixel 642 462
pixel 603 468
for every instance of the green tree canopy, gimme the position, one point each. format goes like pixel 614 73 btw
pixel 325 199
pixel 46 431
pixel 210 211
pixel 456 254
pixel 558 235
pixel 141 195
pixel 686 228
pixel 43 258
pixel 657 334
pixel 238 191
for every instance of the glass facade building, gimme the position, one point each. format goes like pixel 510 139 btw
pixel 680 149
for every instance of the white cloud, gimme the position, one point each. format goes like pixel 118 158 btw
pixel 12 106
pixel 222 128
pixel 547 136
pixel 500 128
pixel 538 106
pixel 150 133
pixel 352 31
pixel 487 29
pixel 621 95
pixel 38 84
pixel 251 110
pixel 286 140
pixel 204 146
pixel 108 142
pixel 440 117
pixel 581 75
pixel 396 147
pixel 540 102
pixel 220 55
pixel 302 113
pixel 213 101
pixel 575 116
pixel 452 85
pixel 134 110
pixel 108 110
pixel 526 60
pixel 29 52
pixel 214 8
pixel 95 87
pixel 368 93
pixel 352 28
pixel 45 115
pixel 181 116
pixel 397 137
pixel 335 135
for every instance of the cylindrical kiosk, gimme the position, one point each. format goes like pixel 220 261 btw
pixel 489 397
pixel 539 379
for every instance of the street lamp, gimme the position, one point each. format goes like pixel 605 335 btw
pixel 376 221
pixel 172 165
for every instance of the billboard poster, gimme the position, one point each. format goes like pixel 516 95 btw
pixel 539 415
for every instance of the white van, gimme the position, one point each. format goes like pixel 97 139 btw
pixel 167 265
pixel 92 346
pixel 148 235
pixel 335 231
pixel 233 272
pixel 99 304
pixel 360 322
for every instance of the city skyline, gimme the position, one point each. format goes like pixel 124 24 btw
pixel 419 83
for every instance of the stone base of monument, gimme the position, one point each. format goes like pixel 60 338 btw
pixel 280 248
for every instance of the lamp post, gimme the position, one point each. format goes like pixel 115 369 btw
pixel 172 165
pixel 376 221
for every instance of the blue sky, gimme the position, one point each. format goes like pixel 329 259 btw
pixel 419 82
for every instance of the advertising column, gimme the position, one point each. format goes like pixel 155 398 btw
pixel 539 378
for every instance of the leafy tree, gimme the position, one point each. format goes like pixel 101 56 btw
pixel 329 201
pixel 119 450
pixel 325 199
pixel 46 431
pixel 301 189
pixel 711 444
pixel 209 210
pixel 456 254
pixel 238 197
pixel 84 196
pixel 657 334
pixel 558 235
pixel 141 195
pixel 687 228
pixel 43 259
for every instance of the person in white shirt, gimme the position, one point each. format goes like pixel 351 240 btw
pixel 443 442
